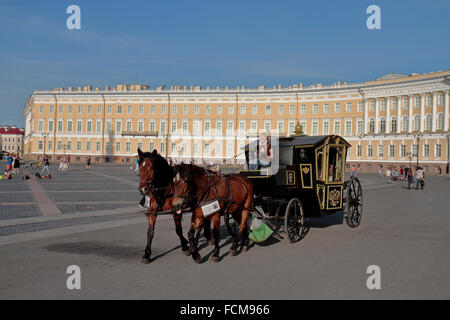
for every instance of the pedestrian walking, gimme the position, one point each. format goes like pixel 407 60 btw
pixel 9 162
pixel 137 166
pixel 410 179
pixel 88 163
pixel 353 171
pixel 68 162
pixel 420 178
pixel 46 164
pixel 16 164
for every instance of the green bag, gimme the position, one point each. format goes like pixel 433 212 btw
pixel 259 231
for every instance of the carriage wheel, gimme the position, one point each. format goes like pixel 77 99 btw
pixel 231 225
pixel 354 209
pixel 294 220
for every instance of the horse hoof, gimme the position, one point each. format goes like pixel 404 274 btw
pixel 198 259
pixel 211 242
pixel 233 252
pixel 186 252
pixel 244 249
pixel 215 259
pixel 145 260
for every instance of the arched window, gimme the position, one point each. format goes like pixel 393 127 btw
pixel 428 122
pixel 440 124
pixel 405 124
pixel 416 123
pixel 394 124
pixel 371 125
pixel 382 125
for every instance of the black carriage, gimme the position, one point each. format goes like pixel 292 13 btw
pixel 308 182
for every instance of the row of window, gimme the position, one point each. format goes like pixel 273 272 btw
pixel 405 123
pixel 402 150
pixel 10 139
pixel 417 102
pixel 207 109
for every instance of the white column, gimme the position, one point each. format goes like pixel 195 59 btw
pixel 399 114
pixel 377 114
pixel 366 116
pixel 388 114
pixel 433 123
pixel 446 95
pixel 410 114
pixel 422 112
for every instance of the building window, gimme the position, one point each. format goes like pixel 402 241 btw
pixel 383 125
pixel 440 124
pixel 326 127
pixel 254 110
pixel 51 110
pixel 163 109
pixel 89 126
pixel 69 145
pixel 360 106
pixel 303 109
pixel 90 109
pixel 372 105
pixel 267 110
pixel 348 107
pixel 41 109
pixel 78 145
pixel 403 151
pixel 41 125
pixel 99 126
pixel 219 110
pixel 40 145
pixel 405 104
pixel 440 99
pixel 185 110
pixel 79 126
pixel 437 150
pixel 173 126
pixel 426 150
pixel 60 109
pixel 88 146
pixel 174 109
pixel 128 147
pixel 326 108
pixel 292 109
pixel 129 127
pixel 405 124
pixel 414 150
pixel 243 110
pixel 358 150
pixel 99 109
pixel 119 109
pixel 428 122
pixel 429 99
pixel 208 126
pixel 416 102
pixel 394 124
pixel 337 127
pixel 130 109
pixel 118 126
pixel 69 109
pixel 391 150
pixel 80 109
pixel 394 103
pixel 162 147
pixel 219 126
pixel 230 110
pixel 369 150
pixel 348 127
pixel 315 128
pixel 151 146
pixel 97 146
pixel 117 146
pixel 152 126
pixel 337 107
pixel 360 126
pixel 371 125
pixel 141 126
pixel 417 123
pixel 380 150
pixel 162 127
pixel 153 110
pixel 383 104
pixel 315 108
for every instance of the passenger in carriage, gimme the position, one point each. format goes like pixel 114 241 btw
pixel 263 156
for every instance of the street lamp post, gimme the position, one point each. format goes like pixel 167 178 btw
pixel 418 136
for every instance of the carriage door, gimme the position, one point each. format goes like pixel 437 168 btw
pixel 320 157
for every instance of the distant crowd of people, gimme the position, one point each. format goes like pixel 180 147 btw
pixel 407 174
pixel 13 162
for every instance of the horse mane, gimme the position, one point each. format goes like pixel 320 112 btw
pixel 163 171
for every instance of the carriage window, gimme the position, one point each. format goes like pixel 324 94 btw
pixel 320 164
pixel 335 164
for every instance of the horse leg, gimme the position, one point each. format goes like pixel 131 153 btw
pixel 216 223
pixel 194 235
pixel 207 231
pixel 150 234
pixel 179 231
pixel 235 245
pixel 245 234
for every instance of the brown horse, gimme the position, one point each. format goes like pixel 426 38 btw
pixel 156 181
pixel 199 189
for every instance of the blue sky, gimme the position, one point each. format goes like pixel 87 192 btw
pixel 214 43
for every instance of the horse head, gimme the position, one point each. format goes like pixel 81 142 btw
pixel 153 170
pixel 183 191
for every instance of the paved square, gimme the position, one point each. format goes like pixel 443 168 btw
pixel 404 232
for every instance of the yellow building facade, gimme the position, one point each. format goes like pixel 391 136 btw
pixel 389 121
